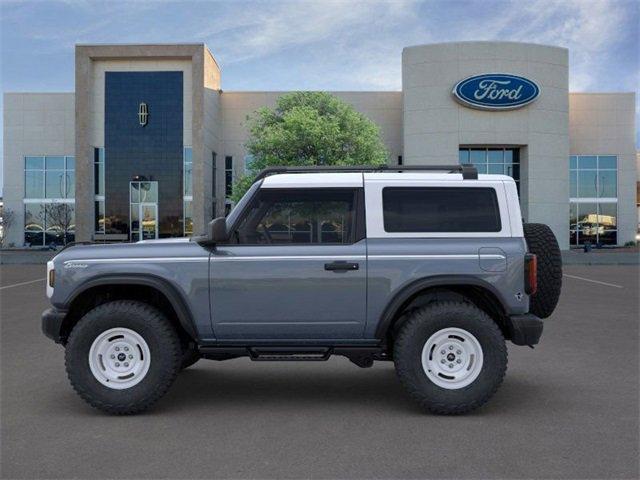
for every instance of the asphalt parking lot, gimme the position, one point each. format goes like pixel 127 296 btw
pixel 568 409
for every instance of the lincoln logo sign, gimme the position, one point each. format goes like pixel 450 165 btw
pixel 143 114
pixel 496 91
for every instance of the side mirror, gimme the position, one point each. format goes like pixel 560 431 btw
pixel 218 230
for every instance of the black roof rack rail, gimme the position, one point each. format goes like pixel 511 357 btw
pixel 469 171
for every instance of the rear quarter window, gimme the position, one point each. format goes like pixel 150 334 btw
pixel 440 209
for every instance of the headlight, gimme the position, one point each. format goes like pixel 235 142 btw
pixel 51 278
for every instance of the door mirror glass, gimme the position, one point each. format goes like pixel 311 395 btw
pixel 218 230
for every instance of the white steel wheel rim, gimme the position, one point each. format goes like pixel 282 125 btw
pixel 452 358
pixel 119 358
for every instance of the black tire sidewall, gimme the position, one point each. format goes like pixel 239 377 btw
pixel 421 325
pixel 152 326
pixel 542 242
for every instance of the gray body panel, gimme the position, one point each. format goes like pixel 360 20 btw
pixel 182 264
pixel 284 292
pixel 395 263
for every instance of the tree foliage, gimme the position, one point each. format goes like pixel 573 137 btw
pixel 310 128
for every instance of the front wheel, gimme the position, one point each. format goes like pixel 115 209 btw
pixel 450 356
pixel 122 356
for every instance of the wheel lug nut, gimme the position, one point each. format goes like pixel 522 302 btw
pixel 450 347
pixel 458 361
pixel 117 364
pixel 126 349
pixel 459 352
pixel 113 356
pixel 451 365
pixel 126 364
pixel 442 361
pixel 117 349
pixel 130 356
pixel 442 352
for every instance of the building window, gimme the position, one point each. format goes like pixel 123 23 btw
pixel 400 160
pixel 98 189
pixel 228 175
pixel 593 187
pixel 188 218
pixel 248 163
pixel 50 177
pixel 501 161
pixel 49 216
pixel 214 157
pixel 187 192
pixel 187 162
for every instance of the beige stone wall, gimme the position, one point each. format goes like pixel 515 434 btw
pixel 34 124
pixel 604 124
pixel 435 125
pixel 206 82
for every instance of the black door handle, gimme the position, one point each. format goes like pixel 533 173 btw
pixel 341 266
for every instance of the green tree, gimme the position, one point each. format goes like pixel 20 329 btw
pixel 310 128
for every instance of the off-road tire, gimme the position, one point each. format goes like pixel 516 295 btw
pixel 189 356
pixel 542 242
pixel 165 358
pixel 418 328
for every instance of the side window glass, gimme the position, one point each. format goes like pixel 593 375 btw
pixel 440 209
pixel 312 216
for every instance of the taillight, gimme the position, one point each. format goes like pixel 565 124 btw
pixel 530 274
pixel 51 278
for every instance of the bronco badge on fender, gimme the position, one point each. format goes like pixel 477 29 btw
pixel 496 91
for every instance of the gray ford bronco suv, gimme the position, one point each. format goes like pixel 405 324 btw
pixel 429 267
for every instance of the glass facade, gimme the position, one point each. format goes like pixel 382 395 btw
pixel 593 187
pixel 49 199
pixel 144 148
pixel 501 161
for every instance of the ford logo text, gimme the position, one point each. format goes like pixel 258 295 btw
pixel 496 91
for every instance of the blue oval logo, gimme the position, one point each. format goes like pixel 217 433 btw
pixel 496 91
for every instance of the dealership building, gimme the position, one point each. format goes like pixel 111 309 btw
pixel 148 145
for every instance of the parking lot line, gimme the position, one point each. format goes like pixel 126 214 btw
pixel 22 283
pixel 592 281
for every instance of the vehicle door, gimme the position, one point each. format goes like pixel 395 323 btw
pixel 294 268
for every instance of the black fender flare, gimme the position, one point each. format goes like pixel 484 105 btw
pixel 183 312
pixel 411 289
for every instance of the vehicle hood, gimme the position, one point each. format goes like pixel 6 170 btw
pixel 180 247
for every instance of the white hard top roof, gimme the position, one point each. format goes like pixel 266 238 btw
pixel 318 180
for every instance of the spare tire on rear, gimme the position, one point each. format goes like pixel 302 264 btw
pixel 542 242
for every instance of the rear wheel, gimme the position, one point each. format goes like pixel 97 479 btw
pixel 450 356
pixel 542 242
pixel 122 356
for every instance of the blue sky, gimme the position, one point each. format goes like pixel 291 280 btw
pixel 323 45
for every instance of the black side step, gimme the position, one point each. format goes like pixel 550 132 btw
pixel 363 356
pixel 289 354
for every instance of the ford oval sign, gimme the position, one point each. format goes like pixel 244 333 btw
pixel 496 91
